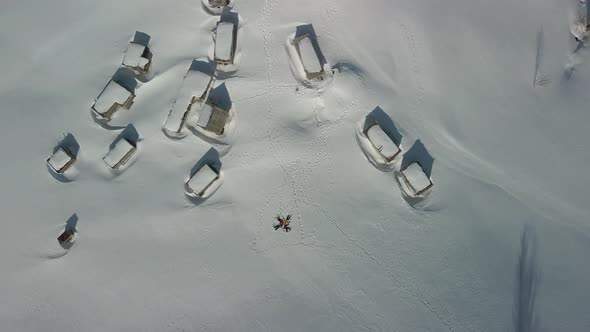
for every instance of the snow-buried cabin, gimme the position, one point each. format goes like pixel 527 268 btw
pixel 111 98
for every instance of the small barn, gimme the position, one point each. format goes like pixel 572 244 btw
pixel 202 180
pixel 111 98
pixel 310 59
pixel 416 179
pixel 225 42
pixel 66 236
pixel 61 160
pixel 382 142
pixel 138 58
pixel 120 153
pixel 213 118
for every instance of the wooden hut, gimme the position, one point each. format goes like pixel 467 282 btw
pixel 202 180
pixel 416 179
pixel 61 160
pixel 111 98
pixel 382 142
pixel 120 153
pixel 138 58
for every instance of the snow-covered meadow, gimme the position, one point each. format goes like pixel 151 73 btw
pixel 489 96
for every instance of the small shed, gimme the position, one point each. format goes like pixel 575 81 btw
pixel 382 142
pixel 61 160
pixel 416 179
pixel 111 98
pixel 225 42
pixel 218 3
pixel 137 58
pixel 213 118
pixel 66 236
pixel 309 57
pixel 202 180
pixel 120 153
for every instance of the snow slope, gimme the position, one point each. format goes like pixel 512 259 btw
pixel 457 75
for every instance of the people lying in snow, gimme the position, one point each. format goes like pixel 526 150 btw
pixel 283 222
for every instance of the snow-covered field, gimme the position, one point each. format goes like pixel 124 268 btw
pixel 490 96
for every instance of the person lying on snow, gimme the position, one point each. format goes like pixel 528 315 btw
pixel 283 223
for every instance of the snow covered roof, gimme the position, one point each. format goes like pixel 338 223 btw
pixel 59 159
pixel 202 179
pixel 122 150
pixel 205 115
pixel 224 40
pixel 112 93
pixel 133 56
pixel 382 142
pixel 309 58
pixel 416 177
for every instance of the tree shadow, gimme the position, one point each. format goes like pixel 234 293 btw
pixel 378 116
pixel 211 158
pixel 307 29
pixel 527 279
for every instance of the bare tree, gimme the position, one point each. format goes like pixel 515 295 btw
pixel 538 78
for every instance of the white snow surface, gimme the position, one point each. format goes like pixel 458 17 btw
pixel 456 74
